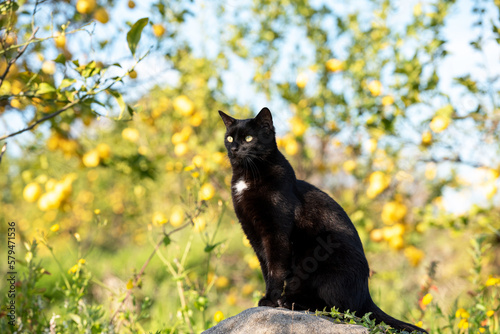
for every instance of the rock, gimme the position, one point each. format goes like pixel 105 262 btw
pixel 269 320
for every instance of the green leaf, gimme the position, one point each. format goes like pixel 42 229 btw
pixel 61 59
pixel 166 240
pixel 66 83
pixel 45 88
pixel 134 34
pixel 119 100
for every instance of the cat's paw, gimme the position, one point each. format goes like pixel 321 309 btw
pixel 285 303
pixel 267 302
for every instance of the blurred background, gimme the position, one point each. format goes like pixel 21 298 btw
pixel 115 173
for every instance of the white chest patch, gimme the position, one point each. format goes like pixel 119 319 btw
pixel 240 186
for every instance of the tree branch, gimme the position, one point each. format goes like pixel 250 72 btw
pixel 2 152
pixel 43 119
pixel 19 54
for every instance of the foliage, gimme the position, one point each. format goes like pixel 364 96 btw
pixel 118 182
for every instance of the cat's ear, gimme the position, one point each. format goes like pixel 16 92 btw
pixel 228 120
pixel 264 118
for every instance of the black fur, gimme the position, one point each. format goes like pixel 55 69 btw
pixel 309 251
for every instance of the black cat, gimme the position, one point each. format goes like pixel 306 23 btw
pixel 309 251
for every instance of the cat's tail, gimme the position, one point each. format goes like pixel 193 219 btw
pixel 380 316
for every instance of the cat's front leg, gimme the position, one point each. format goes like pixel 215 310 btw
pixel 277 249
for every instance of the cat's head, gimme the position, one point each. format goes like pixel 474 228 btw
pixel 249 140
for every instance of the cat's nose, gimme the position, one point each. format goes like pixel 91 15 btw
pixel 234 148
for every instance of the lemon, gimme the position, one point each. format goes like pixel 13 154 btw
pixel 375 87
pixel 55 228
pixel 387 100
pixel 131 4
pixel 199 224
pixel 15 103
pixel 414 255
pixel 132 74
pixel 198 161
pixel 426 138
pixel 60 40
pixel 207 191
pixel 85 6
pixel 349 165
pixel 32 192
pixel 302 80
pixel 181 149
pixel 291 146
pixel 130 134
pixel 297 126
pixel 49 67
pixel 222 282
pixel 101 15
pixel 91 158
pixel 334 65
pixel 439 123
pixel 377 235
pixel 177 217
pixel 104 150
pixel 393 212
pixel 159 218
pixel 196 119
pixel 183 105
pixel 158 30
pixel 378 182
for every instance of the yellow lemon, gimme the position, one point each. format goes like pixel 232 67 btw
pixel 104 150
pixel 349 165
pixel 55 228
pixel 377 235
pixel 218 316
pixel 32 192
pixel 334 65
pixel 101 15
pixel 291 146
pixel 196 119
pixel 393 212
pixel 132 74
pixel 375 87
pixel 130 134
pixel 177 217
pixel 426 138
pixel 183 105
pixel 253 262
pixel 60 40
pixel 158 30
pixel 222 282
pixel 91 158
pixel 198 161
pixel 159 218
pixel 181 149
pixel 131 4
pixel 49 67
pixel 387 100
pixel 302 80
pixel 414 255
pixel 378 182
pixel 207 191
pixel 396 242
pixel 439 123
pixel 297 126
pixel 85 6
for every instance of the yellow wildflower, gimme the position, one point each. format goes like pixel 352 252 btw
pixel 218 316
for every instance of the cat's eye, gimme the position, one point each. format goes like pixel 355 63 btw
pixel 248 139
pixel 230 139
